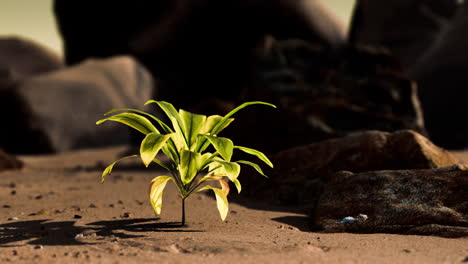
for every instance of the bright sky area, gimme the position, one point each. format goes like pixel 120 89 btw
pixel 34 19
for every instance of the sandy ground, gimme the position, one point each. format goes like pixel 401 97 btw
pixel 56 211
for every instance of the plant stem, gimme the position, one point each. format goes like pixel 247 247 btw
pixel 183 212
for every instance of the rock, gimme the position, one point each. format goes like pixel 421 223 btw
pixel 298 170
pixel 418 202
pixel 180 41
pixel 407 27
pixel 8 162
pixel 441 76
pixel 58 111
pixel 21 57
pixel 326 93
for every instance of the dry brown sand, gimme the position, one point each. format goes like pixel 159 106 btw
pixel 60 213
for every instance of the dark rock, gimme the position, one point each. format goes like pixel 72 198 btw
pixel 8 162
pixel 441 76
pixel 77 217
pixel 302 169
pixel 181 43
pixel 323 93
pixel 407 27
pixel 58 111
pixel 422 202
pixel 20 58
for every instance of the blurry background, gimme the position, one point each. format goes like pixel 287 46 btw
pixel 34 19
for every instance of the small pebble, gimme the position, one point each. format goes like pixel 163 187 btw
pixel 77 217
pixel 38 247
pixel 111 205
pixel 119 202
pixel 12 218
pixel 79 236
pixel 406 250
pixel 92 206
pixel 6 206
pixel 126 215
pixel 15 253
pixel 38 197
pixel 13 192
pixel 465 259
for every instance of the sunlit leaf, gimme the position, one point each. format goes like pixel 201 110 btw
pixel 135 121
pixel 179 137
pixel 224 186
pixel 217 128
pixel 228 169
pixel 151 145
pixel 212 121
pixel 223 146
pixel 191 125
pixel 238 185
pixel 109 168
pixel 156 192
pixel 165 127
pixel 256 153
pixel 253 165
pixel 221 201
pixel 189 165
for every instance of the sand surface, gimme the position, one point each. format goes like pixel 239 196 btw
pixel 55 210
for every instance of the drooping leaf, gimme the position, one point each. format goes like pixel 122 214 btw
pixel 165 127
pixel 109 168
pixel 223 146
pixel 212 121
pixel 151 145
pixel 179 137
pixel 221 200
pixel 191 125
pixel 135 121
pixel 224 186
pixel 253 165
pixel 221 123
pixel 156 192
pixel 228 169
pixel 256 153
pixel 189 165
pixel 238 185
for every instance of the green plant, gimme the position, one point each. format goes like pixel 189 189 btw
pixel 185 144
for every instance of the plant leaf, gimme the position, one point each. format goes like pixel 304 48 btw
pixel 223 146
pixel 224 186
pixel 135 121
pixel 255 166
pixel 189 165
pixel 256 153
pixel 160 163
pixel 191 125
pixel 228 169
pixel 151 145
pixel 156 192
pixel 238 185
pixel 165 127
pixel 221 200
pixel 217 128
pixel 179 138
pixel 212 121
pixel 109 168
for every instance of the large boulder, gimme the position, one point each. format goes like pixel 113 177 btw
pixel 407 27
pixel 197 49
pixel 418 202
pixel 58 111
pixel 20 58
pixel 325 93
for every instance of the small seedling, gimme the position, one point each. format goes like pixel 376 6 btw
pixel 186 144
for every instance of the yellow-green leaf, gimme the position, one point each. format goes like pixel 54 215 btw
pixel 157 186
pixel 212 121
pixel 135 121
pixel 253 165
pixel 223 145
pixel 221 201
pixel 151 145
pixel 238 185
pixel 191 125
pixel 109 168
pixel 189 165
pixel 228 169
pixel 256 153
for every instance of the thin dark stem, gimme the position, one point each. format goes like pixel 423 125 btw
pixel 183 212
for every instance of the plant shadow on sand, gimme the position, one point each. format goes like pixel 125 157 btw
pixel 46 232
